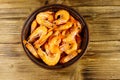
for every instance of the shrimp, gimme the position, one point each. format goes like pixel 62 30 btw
pixel 49 59
pixel 68 57
pixel 65 26
pixel 54 44
pixel 69 47
pixel 33 26
pixel 40 31
pixel 45 18
pixel 72 47
pixel 79 26
pixel 61 16
pixel 72 35
pixel 31 48
pixel 72 19
pixel 75 23
pixel 69 43
pixel 41 41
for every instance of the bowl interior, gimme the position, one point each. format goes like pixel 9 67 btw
pixel 55 7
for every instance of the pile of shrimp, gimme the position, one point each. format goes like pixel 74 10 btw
pixel 54 37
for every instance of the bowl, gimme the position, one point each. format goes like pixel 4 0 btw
pixel 55 7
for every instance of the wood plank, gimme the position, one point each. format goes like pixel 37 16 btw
pixel 22 1
pixel 92 2
pixel 91 12
pixel 102 69
pixel 14 11
pixel 70 2
pixel 21 4
pixel 10 38
pixel 98 12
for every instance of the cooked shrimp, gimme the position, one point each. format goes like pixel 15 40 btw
pixel 72 35
pixel 76 23
pixel 45 18
pixel 69 43
pixel 69 47
pixel 41 41
pixel 79 26
pixel 49 12
pixel 33 26
pixel 56 39
pixel 61 16
pixel 31 48
pixel 56 33
pixel 46 47
pixel 68 57
pixel 72 47
pixel 54 44
pixel 72 19
pixel 40 31
pixel 64 47
pixel 49 59
pixel 64 26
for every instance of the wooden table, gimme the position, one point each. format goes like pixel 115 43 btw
pixel 101 61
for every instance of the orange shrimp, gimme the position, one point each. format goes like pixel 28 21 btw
pixel 40 31
pixel 72 35
pixel 31 48
pixel 54 44
pixel 45 18
pixel 69 42
pixel 73 20
pixel 41 41
pixel 57 38
pixel 61 16
pixel 33 26
pixel 72 47
pixel 49 59
pixel 64 26
pixel 79 26
pixel 68 57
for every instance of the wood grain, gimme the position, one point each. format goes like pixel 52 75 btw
pixel 92 2
pixel 100 62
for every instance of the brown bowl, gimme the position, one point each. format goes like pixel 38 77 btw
pixel 55 7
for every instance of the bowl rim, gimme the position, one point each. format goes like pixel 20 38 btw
pixel 43 65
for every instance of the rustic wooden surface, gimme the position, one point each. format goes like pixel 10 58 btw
pixel 101 61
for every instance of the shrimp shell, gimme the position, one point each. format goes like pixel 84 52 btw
pixel 40 31
pixel 64 17
pixel 65 26
pixel 45 18
pixel 68 57
pixel 31 48
pixel 42 40
pixel 49 59
pixel 33 26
